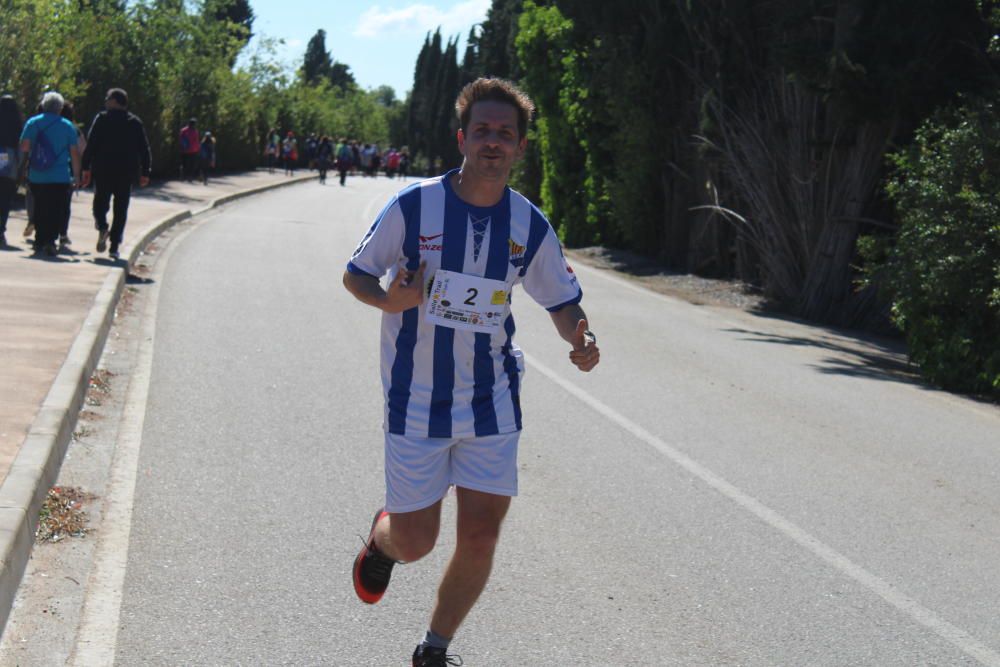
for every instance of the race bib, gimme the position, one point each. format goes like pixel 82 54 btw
pixel 460 301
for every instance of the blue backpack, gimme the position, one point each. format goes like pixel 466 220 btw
pixel 43 154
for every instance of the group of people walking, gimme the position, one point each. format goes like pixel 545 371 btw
pixel 198 152
pixel 54 157
pixel 322 153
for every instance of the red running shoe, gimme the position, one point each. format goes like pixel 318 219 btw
pixel 372 568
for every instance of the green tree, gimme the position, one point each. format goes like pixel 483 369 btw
pixel 431 115
pixel 943 270
pixel 316 63
pixel 237 12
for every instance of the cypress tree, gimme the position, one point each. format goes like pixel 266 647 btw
pixel 317 64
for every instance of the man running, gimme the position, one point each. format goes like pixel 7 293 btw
pixel 454 247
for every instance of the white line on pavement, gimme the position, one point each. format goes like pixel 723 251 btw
pixel 955 635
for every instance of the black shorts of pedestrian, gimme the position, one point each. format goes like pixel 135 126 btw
pixel 51 202
pixel 106 186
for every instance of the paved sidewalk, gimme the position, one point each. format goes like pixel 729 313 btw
pixel 54 316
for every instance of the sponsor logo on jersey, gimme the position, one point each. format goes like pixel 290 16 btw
pixel 516 253
pixel 425 243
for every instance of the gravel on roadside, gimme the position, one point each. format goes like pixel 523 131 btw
pixel 686 286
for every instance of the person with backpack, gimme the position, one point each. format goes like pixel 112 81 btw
pixel 117 150
pixel 345 158
pixel 10 135
pixel 272 147
pixel 324 157
pixel 190 145
pixel 207 157
pixel 404 162
pixel 312 144
pixel 46 140
pixel 391 162
pixel 290 153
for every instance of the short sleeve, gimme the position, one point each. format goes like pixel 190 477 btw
pixel 30 130
pixel 382 246
pixel 549 279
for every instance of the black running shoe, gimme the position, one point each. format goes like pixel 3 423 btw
pixel 372 568
pixel 428 656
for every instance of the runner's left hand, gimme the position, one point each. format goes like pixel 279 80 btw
pixel 585 354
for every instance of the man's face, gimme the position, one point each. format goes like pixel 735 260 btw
pixel 490 143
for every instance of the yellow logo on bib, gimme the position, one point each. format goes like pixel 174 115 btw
pixel 499 298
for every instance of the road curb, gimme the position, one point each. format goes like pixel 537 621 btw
pixel 36 467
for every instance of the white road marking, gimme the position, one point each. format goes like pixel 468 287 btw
pixel 97 636
pixel 954 635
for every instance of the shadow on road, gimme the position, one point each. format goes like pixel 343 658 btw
pixel 857 355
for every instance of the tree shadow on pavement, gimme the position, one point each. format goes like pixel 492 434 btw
pixel 856 354
pixel 167 190
pixel 162 191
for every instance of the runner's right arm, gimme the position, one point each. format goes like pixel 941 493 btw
pixel 405 291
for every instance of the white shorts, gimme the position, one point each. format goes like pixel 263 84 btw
pixel 418 471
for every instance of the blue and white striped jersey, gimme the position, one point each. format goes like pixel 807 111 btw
pixel 441 382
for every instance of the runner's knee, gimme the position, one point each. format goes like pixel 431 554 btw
pixel 410 545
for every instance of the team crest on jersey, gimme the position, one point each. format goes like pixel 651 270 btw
pixel 516 253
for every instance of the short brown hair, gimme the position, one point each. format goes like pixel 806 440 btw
pixel 488 89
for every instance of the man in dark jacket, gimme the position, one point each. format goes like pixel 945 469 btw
pixel 117 148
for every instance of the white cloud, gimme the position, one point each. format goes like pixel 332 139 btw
pixel 376 22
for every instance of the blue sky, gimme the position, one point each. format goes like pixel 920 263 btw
pixel 378 40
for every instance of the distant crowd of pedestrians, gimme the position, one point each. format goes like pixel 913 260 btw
pixel 322 153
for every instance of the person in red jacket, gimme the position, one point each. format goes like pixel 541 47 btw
pixel 190 145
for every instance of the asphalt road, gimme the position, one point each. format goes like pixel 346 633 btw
pixel 723 490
